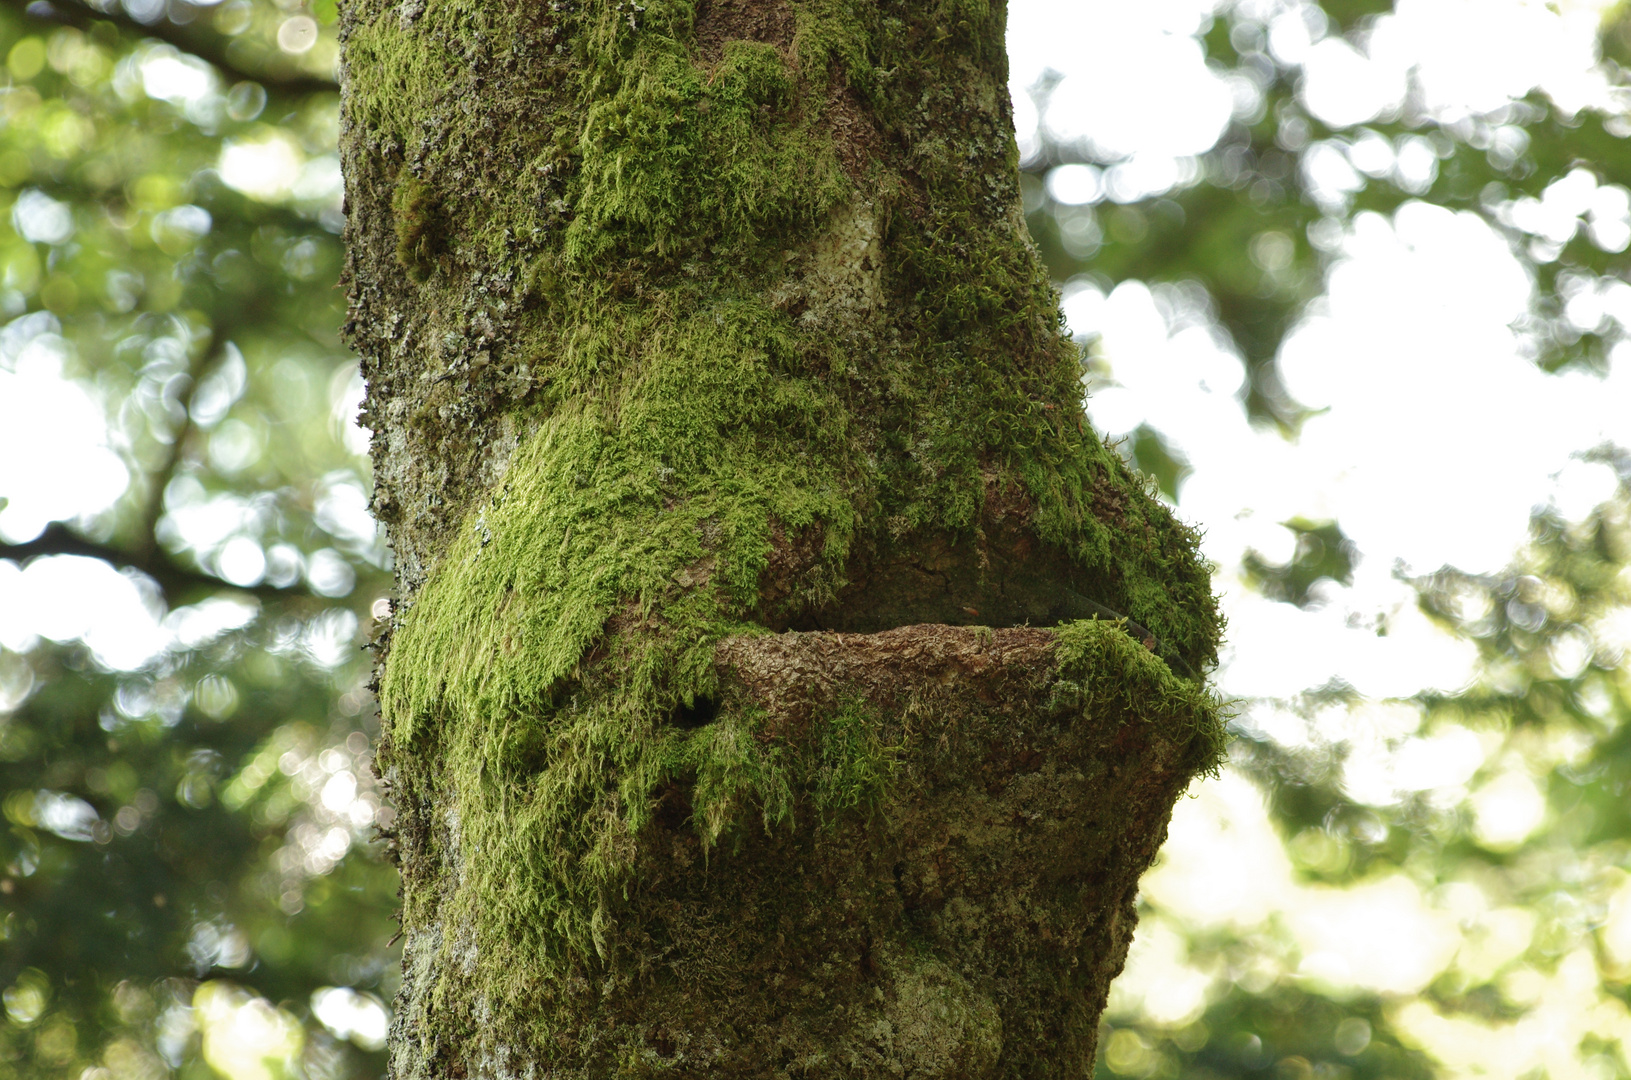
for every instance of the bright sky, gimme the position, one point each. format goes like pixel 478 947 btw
pixel 1438 439
pixel 1440 436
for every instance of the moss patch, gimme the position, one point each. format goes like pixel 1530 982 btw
pixel 990 782
pixel 675 338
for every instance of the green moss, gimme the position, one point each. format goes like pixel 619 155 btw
pixel 1143 689
pixel 553 801
pixel 637 526
pixel 418 224
pixel 406 79
pixel 678 160
pixel 855 768
pixel 653 501
pixel 627 242
pixel 833 38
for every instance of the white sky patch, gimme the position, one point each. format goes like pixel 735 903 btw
pixel 266 167
pixel 1330 175
pixel 1612 632
pixel 196 519
pixel 16 636
pixel 55 463
pixel 1435 443
pixel 1141 93
pixel 40 219
pixel 1159 983
pixel 244 1036
pixel 1377 935
pixel 1076 184
pixel 1473 56
pixel 342 509
pixel 1438 439
pixel 1568 204
pixel 1379 774
pixel 1342 86
pixel 67 598
pixel 1224 866
pixel 1075 35
pixel 347 391
pixel 352 1014
pixel 241 561
pixel 1162 100
pixel 1507 810
pixel 1465 57
pixel 170 75
pixel 196 625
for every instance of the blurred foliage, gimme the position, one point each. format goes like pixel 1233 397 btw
pixel 188 877
pixel 1543 906
pixel 1551 712
pixel 1322 553
pixel 188 854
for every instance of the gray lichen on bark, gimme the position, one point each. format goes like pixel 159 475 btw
pixel 720 405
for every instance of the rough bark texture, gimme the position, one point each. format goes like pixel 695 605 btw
pixel 720 406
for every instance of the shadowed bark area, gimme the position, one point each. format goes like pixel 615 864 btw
pixel 697 332
pixel 958 910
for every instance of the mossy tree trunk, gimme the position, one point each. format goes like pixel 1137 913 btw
pixel 755 701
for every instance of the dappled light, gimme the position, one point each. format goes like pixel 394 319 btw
pixel 245 1036
pixel 1388 379
pixel 189 555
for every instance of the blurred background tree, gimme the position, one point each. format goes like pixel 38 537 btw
pixel 184 756
pixel 1303 244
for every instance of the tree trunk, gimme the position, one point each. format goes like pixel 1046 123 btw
pixel 756 700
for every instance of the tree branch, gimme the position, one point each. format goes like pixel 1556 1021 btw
pixel 250 213
pixel 202 43
pixel 159 479
pixel 176 581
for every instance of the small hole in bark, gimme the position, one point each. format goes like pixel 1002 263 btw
pixel 673 811
pixel 701 711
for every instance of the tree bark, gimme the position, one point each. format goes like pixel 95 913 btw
pixel 783 679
